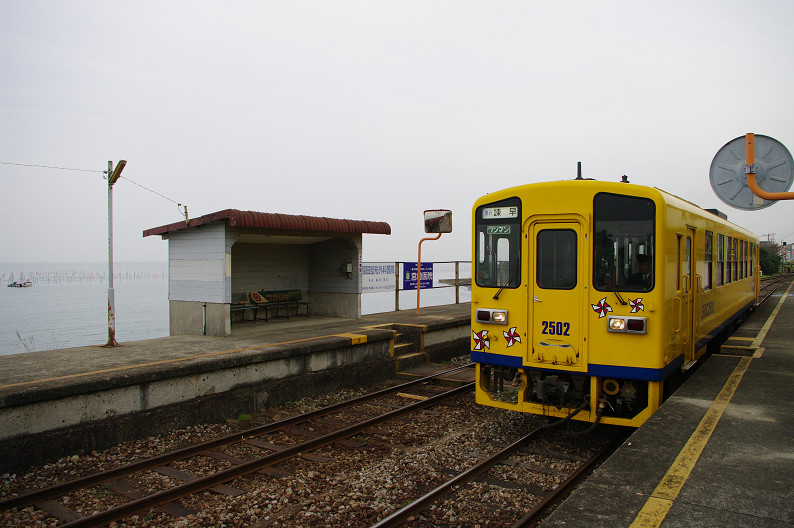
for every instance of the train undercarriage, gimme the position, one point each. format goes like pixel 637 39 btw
pixel 557 393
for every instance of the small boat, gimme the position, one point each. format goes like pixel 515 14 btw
pixel 26 284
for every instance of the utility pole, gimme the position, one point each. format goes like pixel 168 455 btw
pixel 113 175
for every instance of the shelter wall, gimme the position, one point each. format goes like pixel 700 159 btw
pixel 268 267
pixel 197 318
pixel 332 292
pixel 197 264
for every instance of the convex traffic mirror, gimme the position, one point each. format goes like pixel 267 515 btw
pixel 438 221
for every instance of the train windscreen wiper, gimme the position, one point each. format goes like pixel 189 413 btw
pixel 504 285
pixel 612 287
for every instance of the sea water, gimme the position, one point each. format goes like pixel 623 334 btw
pixel 67 306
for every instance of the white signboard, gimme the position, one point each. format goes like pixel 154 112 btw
pixel 377 277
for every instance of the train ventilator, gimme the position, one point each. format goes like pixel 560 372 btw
pixel 591 300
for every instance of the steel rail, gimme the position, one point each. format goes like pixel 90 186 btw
pixel 400 516
pixel 32 497
pixel 770 282
pixel 249 466
pixel 531 516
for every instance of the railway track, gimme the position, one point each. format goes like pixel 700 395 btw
pixel 350 464
pixel 278 442
pixel 770 285
pixel 523 501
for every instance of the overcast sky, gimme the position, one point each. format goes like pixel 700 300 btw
pixel 368 110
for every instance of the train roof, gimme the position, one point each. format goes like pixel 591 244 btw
pixel 655 193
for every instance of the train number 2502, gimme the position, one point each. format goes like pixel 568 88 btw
pixel 556 328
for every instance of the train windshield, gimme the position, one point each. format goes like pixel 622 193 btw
pixel 623 228
pixel 497 261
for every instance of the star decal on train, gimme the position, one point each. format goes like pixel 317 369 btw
pixel 481 340
pixel 511 336
pixel 601 308
pixel 636 305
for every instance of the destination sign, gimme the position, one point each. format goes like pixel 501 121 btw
pixel 489 213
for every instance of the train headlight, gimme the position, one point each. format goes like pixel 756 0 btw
pixel 627 325
pixel 488 315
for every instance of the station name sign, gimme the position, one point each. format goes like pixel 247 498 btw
pixel 410 275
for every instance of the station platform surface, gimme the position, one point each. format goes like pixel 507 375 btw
pixel 56 403
pixel 718 453
pixel 34 371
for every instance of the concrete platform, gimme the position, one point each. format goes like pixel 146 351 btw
pixel 718 453
pixel 70 401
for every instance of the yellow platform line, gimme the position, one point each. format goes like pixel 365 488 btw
pixel 354 338
pixel 661 500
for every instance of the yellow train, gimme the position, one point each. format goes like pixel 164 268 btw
pixel 591 300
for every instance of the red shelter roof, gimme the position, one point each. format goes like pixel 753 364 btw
pixel 278 222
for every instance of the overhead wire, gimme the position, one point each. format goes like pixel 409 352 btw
pixel 49 167
pixel 151 191
pixel 93 170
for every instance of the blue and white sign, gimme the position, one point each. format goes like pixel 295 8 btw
pixel 377 277
pixel 409 275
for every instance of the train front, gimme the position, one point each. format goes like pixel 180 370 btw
pixel 563 295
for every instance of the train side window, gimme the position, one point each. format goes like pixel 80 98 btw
pixel 739 258
pixel 720 259
pixel 708 277
pixel 556 259
pixel 624 243
pixel 742 266
pixel 752 259
pixel 728 260
pixel 688 258
pixel 678 262
pixel 688 264
pixel 735 259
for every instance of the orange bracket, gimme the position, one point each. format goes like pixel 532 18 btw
pixel 758 191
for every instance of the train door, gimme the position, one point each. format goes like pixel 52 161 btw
pixel 555 294
pixel 685 295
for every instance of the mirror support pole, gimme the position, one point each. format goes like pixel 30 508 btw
pixel 419 270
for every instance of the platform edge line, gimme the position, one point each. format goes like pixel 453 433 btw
pixel 652 514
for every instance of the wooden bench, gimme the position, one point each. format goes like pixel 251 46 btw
pixel 241 308
pixel 273 301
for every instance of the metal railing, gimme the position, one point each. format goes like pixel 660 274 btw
pixel 391 280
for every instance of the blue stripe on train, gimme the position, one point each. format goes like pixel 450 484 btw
pixel 601 371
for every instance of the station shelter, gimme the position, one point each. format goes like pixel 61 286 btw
pixel 215 261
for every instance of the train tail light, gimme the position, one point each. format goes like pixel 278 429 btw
pixel 627 325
